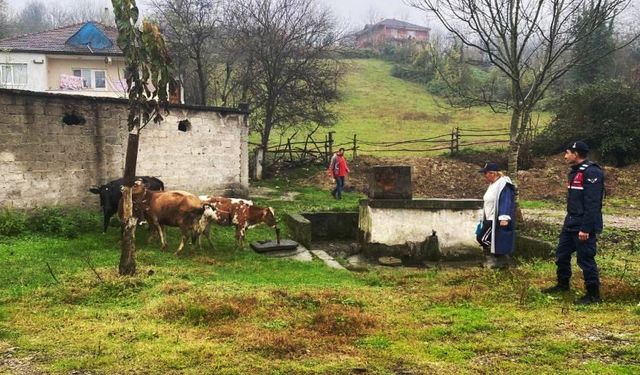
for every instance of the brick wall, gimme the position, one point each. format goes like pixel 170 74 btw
pixel 45 162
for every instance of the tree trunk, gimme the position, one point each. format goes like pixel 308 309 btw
pixel 266 133
pixel 202 84
pixel 129 221
pixel 128 247
pixel 514 144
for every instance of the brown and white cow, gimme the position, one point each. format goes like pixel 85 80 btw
pixel 242 214
pixel 173 208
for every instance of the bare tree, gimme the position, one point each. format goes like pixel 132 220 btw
pixel 532 42
pixel 291 71
pixel 33 18
pixel 5 27
pixel 192 27
pixel 373 16
pixel 37 16
pixel 91 10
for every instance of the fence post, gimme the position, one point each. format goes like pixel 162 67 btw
pixel 289 148
pixel 326 149
pixel 355 146
pixel 451 147
pixel 457 139
pixel 331 142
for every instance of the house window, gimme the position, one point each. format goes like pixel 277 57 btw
pixel 100 79
pixel 13 74
pixel 92 79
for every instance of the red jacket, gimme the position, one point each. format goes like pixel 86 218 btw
pixel 338 166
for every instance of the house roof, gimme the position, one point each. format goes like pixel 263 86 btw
pixel 395 24
pixel 87 38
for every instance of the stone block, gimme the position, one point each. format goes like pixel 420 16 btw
pixel 7 157
pixel 299 229
pixel 390 182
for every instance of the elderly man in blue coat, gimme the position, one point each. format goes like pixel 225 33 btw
pixel 497 232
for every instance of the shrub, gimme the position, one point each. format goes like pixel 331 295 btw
pixel 411 73
pixel 53 220
pixel 12 223
pixel 357 53
pixel 605 115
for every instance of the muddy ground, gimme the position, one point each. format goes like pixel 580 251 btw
pixel 443 177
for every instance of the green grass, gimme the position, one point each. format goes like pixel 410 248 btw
pixel 381 108
pixel 227 311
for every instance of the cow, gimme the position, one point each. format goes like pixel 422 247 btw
pixel 110 195
pixel 242 214
pixel 173 208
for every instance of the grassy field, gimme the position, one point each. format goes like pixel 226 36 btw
pixel 226 311
pixel 381 108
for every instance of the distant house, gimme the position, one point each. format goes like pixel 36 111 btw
pixel 390 30
pixel 80 59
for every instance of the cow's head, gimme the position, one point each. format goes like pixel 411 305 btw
pixel 210 214
pixel 269 218
pixel 139 188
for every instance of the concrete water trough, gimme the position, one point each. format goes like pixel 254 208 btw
pixel 391 223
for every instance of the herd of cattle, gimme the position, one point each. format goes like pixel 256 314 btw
pixel 193 214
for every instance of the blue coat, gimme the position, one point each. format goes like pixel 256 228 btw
pixel 504 238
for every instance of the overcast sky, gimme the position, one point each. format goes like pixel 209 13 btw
pixel 353 12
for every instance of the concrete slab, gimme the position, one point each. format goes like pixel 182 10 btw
pixel 300 254
pixel 357 263
pixel 268 246
pixel 327 259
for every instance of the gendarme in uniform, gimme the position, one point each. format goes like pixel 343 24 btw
pixel 582 224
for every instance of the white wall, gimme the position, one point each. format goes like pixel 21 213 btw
pixel 396 226
pixel 36 73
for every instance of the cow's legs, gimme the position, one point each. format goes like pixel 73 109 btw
pixel 207 235
pixel 160 230
pixel 240 232
pixel 183 239
pixel 105 225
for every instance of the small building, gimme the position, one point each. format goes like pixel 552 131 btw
pixel 390 30
pixel 79 59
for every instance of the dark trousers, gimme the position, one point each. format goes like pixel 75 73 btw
pixel 586 252
pixel 484 237
pixel 337 192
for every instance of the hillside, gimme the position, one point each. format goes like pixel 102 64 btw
pixel 379 107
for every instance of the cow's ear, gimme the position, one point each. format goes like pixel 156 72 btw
pixel 95 190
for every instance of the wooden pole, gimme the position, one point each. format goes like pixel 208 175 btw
pixel 451 147
pixel 326 149
pixel 355 146
pixel 331 144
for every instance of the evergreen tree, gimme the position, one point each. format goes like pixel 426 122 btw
pixel 594 45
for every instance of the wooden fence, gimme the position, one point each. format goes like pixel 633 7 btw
pixel 318 149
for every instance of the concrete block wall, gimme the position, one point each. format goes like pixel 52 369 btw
pixel 45 162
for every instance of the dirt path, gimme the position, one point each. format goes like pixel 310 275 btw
pixel 557 217
pixel 9 364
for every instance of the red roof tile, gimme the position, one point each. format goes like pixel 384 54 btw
pixel 54 41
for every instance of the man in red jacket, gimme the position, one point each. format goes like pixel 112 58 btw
pixel 338 169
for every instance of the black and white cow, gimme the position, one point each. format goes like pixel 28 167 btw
pixel 110 195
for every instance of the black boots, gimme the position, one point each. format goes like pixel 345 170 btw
pixel 560 287
pixel 592 296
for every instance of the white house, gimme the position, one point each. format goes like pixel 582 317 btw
pixel 80 59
